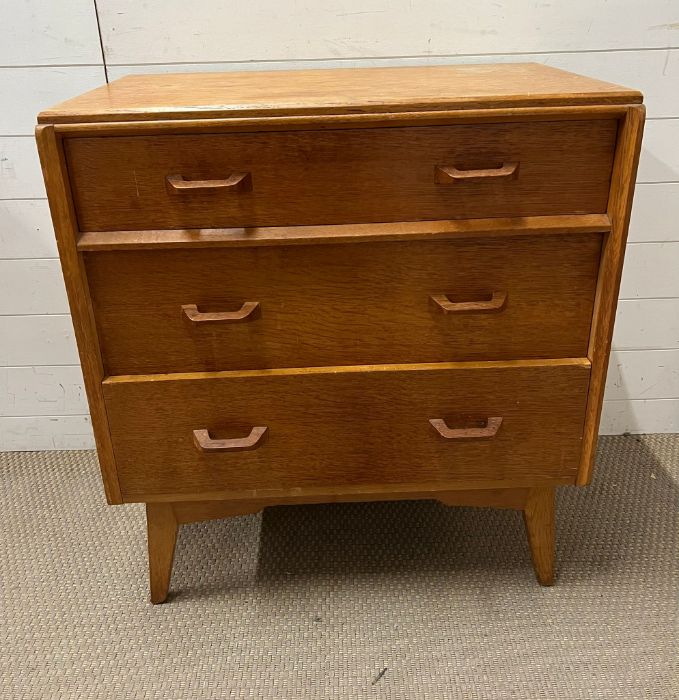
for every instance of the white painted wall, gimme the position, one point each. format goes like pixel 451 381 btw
pixel 51 50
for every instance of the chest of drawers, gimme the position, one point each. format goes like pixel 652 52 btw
pixel 340 285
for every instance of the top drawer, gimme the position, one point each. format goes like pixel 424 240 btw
pixel 341 176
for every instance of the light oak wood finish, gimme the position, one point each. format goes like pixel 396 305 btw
pixel 344 304
pixel 325 426
pixel 343 176
pixel 164 519
pixel 195 511
pixel 610 273
pixel 75 278
pixel 205 443
pixel 97 241
pixel 338 91
pixel 162 530
pixel 362 493
pixel 348 285
pixel 467 428
pixel 538 515
pixel 322 122
pixel 487 498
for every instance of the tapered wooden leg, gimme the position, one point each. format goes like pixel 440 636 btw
pixel 162 537
pixel 538 514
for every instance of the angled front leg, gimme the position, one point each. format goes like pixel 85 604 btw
pixel 163 521
pixel 538 515
pixel 162 530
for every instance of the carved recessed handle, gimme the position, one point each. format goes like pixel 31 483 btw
pixel 487 431
pixel 238 182
pixel 445 174
pixel 497 302
pixel 205 443
pixel 247 312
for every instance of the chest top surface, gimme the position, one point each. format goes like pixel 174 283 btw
pixel 338 91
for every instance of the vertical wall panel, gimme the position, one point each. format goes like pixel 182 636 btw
pixel 31 89
pixel 170 31
pixel 655 214
pixel 20 175
pixel 22 433
pixel 26 229
pixel 48 32
pixel 49 51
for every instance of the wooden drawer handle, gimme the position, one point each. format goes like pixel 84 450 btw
pixel 239 182
pixel 488 431
pixel 445 174
pixel 205 443
pixel 245 313
pixel 496 303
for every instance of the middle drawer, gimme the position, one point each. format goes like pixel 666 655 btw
pixel 343 304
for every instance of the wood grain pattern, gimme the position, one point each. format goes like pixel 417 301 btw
pixel 342 176
pixel 353 427
pixel 343 233
pixel 63 217
pixel 344 304
pixel 487 498
pixel 449 338
pixel 164 518
pixel 619 209
pixel 476 428
pixel 205 443
pixel 178 184
pixel 495 302
pixel 195 511
pixel 351 369
pixel 162 530
pixel 538 516
pixel 446 175
pixel 337 91
pixel 248 311
pixel 361 493
pixel 322 122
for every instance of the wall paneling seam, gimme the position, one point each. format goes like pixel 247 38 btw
pixel 101 40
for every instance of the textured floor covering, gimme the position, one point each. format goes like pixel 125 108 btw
pixel 315 601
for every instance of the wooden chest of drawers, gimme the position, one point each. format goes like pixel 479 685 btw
pixel 343 285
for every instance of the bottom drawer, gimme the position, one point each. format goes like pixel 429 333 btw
pixel 357 426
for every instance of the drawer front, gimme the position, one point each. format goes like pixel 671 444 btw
pixel 347 428
pixel 344 304
pixel 341 176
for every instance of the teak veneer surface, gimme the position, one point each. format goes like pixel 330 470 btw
pixel 341 176
pixel 354 427
pixel 344 304
pixel 337 91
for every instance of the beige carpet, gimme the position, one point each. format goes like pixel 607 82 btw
pixel 316 601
